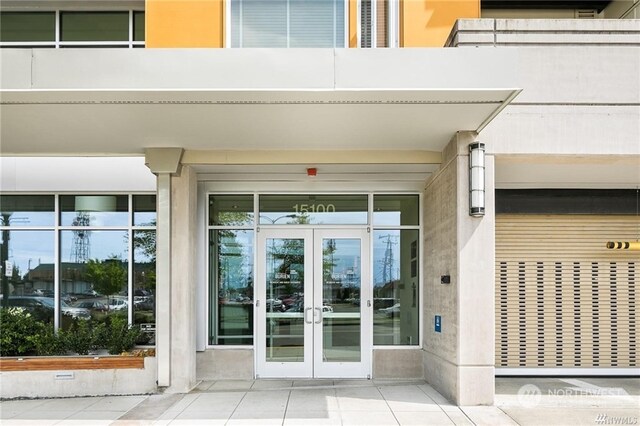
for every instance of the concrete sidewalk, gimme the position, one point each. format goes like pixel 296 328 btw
pixel 523 401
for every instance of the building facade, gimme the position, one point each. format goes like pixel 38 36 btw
pixel 327 189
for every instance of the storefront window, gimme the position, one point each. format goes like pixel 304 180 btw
pixel 28 273
pixel 231 261
pixel 144 282
pixel 395 264
pixel 396 267
pixel 94 272
pixel 99 235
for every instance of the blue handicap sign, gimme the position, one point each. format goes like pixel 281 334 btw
pixel 438 324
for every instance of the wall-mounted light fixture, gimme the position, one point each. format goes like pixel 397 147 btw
pixel 623 245
pixel 476 179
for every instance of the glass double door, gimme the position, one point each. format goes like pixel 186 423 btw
pixel 313 303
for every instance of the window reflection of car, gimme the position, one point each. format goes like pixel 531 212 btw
pixel 47 304
pixel 274 304
pixel 326 309
pixel 117 304
pixel 392 311
pixel 92 305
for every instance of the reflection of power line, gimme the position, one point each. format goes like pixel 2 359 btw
pixel 81 250
pixel 387 261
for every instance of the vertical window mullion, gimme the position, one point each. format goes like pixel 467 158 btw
pixel 57 258
pixel 374 23
pixel 130 29
pixel 288 22
pixel 57 39
pixel 130 259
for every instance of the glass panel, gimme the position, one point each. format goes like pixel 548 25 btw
pixel 231 210
pixel 232 293
pixel 144 283
pixel 313 209
pixel 97 280
pixel 28 281
pixel 94 210
pixel 285 300
pixel 396 210
pixel 316 23
pixel 261 23
pixel 138 26
pixel 27 210
pixel 94 26
pixel 287 23
pixel 395 287
pixel 27 26
pixel 341 285
pixel 144 210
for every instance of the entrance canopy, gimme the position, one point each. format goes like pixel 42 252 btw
pixel 121 101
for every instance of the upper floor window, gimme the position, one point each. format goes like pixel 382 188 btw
pixel 288 23
pixel 72 29
pixel 378 23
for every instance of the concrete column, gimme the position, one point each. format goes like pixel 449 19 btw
pixel 171 222
pixel 183 281
pixel 163 283
pixel 459 360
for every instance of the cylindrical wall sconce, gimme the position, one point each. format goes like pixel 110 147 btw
pixel 476 179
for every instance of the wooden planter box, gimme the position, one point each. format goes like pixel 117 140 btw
pixel 70 363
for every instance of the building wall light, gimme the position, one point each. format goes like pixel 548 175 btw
pixel 476 179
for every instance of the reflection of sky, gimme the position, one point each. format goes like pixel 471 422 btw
pixel 102 245
pixel 345 258
pixel 386 218
pixel 37 246
pixel 380 251
pixel 236 258
pixel 144 218
pixel 97 218
pixel 31 219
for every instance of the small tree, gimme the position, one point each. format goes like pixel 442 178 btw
pixel 108 277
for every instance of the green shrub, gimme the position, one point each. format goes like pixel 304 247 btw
pixel 18 332
pixel 120 337
pixel 79 338
pixel 48 343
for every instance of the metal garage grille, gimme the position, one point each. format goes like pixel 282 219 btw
pixel 562 298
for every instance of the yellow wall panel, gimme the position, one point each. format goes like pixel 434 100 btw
pixel 184 23
pixel 426 23
pixel 353 23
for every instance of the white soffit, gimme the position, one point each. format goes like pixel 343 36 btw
pixel 119 102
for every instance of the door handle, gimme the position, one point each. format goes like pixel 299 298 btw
pixel 319 320
pixel 305 315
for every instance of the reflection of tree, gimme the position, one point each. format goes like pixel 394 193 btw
pixel 287 257
pixel 144 241
pixel 328 262
pixel 233 218
pixel 108 277
pixel 231 261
